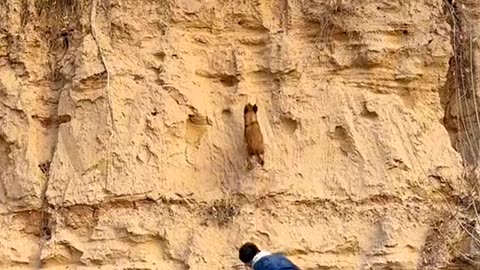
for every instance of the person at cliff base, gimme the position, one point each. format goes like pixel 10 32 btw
pixel 258 259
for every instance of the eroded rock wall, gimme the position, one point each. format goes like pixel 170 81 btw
pixel 122 147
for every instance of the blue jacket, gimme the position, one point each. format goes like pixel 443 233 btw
pixel 274 261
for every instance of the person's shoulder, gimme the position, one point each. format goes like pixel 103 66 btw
pixel 283 260
pixel 278 255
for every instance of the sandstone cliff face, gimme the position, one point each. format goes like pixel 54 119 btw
pixel 121 133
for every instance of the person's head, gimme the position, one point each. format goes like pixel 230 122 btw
pixel 247 252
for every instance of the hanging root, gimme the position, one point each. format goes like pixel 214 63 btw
pixel 455 236
pixel 93 15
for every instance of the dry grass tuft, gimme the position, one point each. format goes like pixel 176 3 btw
pixel 59 14
pixel 447 241
pixel 222 212
pixel 65 6
pixel 331 18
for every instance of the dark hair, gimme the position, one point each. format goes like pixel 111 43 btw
pixel 247 252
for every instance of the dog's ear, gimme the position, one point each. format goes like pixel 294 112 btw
pixel 245 109
pixel 255 108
